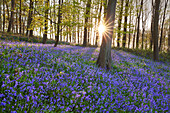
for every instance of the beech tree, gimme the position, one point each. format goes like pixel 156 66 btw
pixel 99 18
pixel 46 21
pixel 155 30
pixel 120 23
pixel 30 16
pixel 12 16
pixel 59 22
pixel 138 29
pixel 0 18
pixel 86 21
pixel 162 26
pixel 125 23
pixel 104 58
pixel 3 16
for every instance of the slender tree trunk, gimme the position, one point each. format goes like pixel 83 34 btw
pixel 12 16
pixel 78 26
pixel 152 25
pixel 8 18
pixel 134 35
pixel 155 30
pixel 46 21
pixel 119 24
pixel 61 30
pixel 143 26
pixel 29 27
pixel 23 25
pixel 3 15
pixel 67 34
pixel 146 42
pixel 125 23
pixel 104 58
pixel 138 31
pixel 70 29
pixel 58 25
pixel 99 17
pixel 20 24
pixel 55 28
pixel 0 16
pixel 162 27
pixel 169 37
pixel 16 21
pixel 130 17
pixel 23 22
pixel 51 28
pixel 88 6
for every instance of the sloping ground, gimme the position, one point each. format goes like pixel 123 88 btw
pixel 41 78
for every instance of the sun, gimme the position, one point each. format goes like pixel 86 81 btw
pixel 101 28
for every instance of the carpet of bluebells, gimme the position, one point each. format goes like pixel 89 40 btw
pixel 41 78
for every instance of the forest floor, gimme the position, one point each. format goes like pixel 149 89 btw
pixel 37 77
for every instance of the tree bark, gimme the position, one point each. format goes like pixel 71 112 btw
pixel 20 24
pixel 29 27
pixel 125 23
pixel 78 26
pixel 104 58
pixel 138 31
pixel 99 17
pixel 12 16
pixel 162 27
pixel 155 30
pixel 58 25
pixel 119 24
pixel 143 26
pixel 0 17
pixel 152 25
pixel 3 15
pixel 130 20
pixel 16 21
pixel 86 21
pixel 46 22
pixel 169 37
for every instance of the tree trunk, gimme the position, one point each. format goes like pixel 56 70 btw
pixel 125 23
pixel 138 31
pixel 152 25
pixel 29 27
pixel 86 21
pixel 162 27
pixel 51 26
pixel 3 15
pixel 23 22
pixel 0 17
pixel 46 21
pixel 104 58
pixel 130 20
pixel 78 26
pixel 119 24
pixel 143 26
pixel 16 21
pixel 20 24
pixel 8 18
pixel 58 25
pixel 169 37
pixel 155 30
pixel 99 17
pixel 12 16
